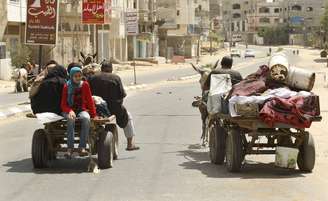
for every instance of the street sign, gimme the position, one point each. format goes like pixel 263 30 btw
pixel 93 12
pixel 41 22
pixel 131 20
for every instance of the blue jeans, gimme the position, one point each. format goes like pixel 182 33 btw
pixel 84 117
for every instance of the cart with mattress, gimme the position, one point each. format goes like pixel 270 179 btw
pixel 232 138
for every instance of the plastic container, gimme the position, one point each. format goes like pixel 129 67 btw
pixel 286 157
pixel 301 79
pixel 279 66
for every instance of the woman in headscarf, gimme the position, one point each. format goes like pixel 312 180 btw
pixel 77 103
pixel 48 96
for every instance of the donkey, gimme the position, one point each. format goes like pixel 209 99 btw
pixel 20 77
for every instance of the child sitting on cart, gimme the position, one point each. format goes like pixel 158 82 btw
pixel 77 103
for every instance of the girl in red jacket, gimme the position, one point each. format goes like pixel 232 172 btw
pixel 77 103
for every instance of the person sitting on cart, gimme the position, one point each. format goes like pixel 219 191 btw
pixel 226 65
pixel 109 87
pixel 51 86
pixel 77 103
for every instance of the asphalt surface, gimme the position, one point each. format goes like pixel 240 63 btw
pixel 171 164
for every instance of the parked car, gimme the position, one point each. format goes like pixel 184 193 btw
pixel 249 53
pixel 235 53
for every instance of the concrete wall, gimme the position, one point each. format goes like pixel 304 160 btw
pixel 3 18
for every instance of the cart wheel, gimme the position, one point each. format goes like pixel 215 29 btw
pixel 40 151
pixel 105 150
pixel 306 156
pixel 217 144
pixel 234 149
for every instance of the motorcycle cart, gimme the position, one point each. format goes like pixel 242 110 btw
pixel 52 139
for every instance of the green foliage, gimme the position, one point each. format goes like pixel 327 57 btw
pixel 280 49
pixel 215 36
pixel 20 56
pixel 275 35
pixel 324 22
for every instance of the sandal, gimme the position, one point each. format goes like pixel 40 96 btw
pixel 133 148
pixel 83 152
pixel 68 154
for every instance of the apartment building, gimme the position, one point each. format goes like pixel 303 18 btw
pixel 234 18
pixel 185 24
pixel 303 17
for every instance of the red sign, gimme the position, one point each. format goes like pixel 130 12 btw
pixel 93 12
pixel 41 22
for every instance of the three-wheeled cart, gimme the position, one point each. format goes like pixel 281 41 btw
pixel 232 138
pixel 52 139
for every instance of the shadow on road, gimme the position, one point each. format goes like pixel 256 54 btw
pixel 322 60
pixel 198 159
pixel 59 166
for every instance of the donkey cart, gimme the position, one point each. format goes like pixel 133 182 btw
pixel 52 139
pixel 232 138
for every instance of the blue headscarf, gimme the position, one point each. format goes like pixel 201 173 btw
pixel 71 85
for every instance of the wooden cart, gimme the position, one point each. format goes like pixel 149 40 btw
pixel 233 138
pixel 52 139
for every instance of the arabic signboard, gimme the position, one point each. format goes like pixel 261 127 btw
pixel 131 18
pixel 41 22
pixel 93 12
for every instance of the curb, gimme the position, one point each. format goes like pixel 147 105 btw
pixel 22 109
pixel 135 87
pixel 14 111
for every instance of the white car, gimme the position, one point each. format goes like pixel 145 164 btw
pixel 235 53
pixel 249 53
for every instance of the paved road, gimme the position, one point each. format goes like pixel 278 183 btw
pixel 170 165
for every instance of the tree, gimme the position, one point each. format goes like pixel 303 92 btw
pixel 324 24
pixel 20 56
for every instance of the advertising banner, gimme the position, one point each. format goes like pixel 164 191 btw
pixel 41 22
pixel 93 12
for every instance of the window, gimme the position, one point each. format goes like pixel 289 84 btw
pixel 309 9
pixel 236 6
pixel 296 8
pixel 264 10
pixel 135 4
pixel 14 1
pixel 276 10
pixel 276 20
pixel 178 12
pixel 236 15
pixel 264 20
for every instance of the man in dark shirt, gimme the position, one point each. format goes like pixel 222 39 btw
pixel 226 65
pixel 109 87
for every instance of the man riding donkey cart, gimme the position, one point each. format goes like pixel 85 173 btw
pixel 205 82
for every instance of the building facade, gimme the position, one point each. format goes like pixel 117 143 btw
pixel 185 23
